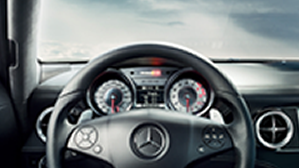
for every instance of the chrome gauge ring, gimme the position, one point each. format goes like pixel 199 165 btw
pixel 188 95
pixel 113 96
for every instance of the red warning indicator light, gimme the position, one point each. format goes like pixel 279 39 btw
pixel 156 72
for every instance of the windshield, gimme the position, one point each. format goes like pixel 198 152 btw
pixel 76 30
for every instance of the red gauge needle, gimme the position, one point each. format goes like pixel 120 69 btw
pixel 112 103
pixel 187 102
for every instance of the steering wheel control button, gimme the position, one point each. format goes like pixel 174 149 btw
pixel 97 149
pixel 87 130
pixel 86 137
pixel 214 137
pixel 201 149
pixel 148 141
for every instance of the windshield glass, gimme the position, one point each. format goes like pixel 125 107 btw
pixel 76 30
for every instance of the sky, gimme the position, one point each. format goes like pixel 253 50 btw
pixel 83 29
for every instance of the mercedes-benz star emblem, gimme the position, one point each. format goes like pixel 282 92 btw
pixel 148 141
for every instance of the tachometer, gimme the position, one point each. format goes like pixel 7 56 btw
pixel 188 95
pixel 113 96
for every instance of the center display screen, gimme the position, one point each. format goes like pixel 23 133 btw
pixel 150 96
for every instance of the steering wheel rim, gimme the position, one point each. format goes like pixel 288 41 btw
pixel 59 129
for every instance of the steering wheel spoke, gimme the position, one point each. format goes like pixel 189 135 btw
pixel 86 140
pixel 89 138
pixel 209 138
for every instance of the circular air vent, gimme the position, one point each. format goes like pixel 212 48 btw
pixel 42 123
pixel 274 129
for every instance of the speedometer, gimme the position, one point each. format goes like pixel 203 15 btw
pixel 113 96
pixel 188 95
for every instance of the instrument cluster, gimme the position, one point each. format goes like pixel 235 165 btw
pixel 183 90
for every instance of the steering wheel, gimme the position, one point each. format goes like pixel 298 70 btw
pixel 150 137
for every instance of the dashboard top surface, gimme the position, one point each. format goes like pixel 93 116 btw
pixel 249 78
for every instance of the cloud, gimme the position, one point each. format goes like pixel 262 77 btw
pixel 217 28
pixel 52 51
pixel 276 20
pixel 171 23
pixel 280 26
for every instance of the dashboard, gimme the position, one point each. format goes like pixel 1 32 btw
pixel 174 87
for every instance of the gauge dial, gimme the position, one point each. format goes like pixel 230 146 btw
pixel 113 96
pixel 188 95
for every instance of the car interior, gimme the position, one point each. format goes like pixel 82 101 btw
pixel 143 103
